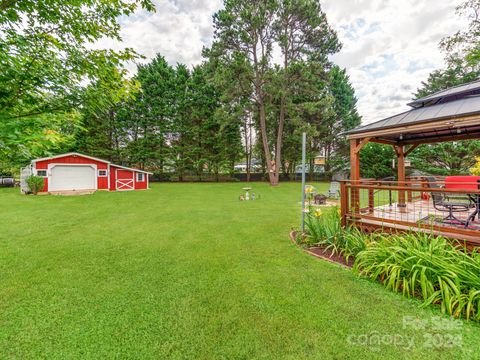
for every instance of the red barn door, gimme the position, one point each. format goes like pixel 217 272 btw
pixel 125 180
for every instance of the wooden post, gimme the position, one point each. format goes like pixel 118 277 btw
pixel 371 201
pixel 406 152
pixel 343 203
pixel 355 174
pixel 400 150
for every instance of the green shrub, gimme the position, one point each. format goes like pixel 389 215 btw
pixel 416 264
pixel 424 266
pixel 35 183
pixel 323 228
pixel 354 241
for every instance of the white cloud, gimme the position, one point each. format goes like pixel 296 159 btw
pixel 389 46
pixel 178 30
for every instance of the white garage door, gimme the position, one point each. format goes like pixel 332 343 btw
pixel 65 177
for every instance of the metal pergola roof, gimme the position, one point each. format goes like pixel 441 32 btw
pixel 452 93
pixel 450 114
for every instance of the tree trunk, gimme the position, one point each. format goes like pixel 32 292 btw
pixel 248 158
pixel 278 147
pixel 161 156
pixel 250 149
pixel 261 109
pixel 327 166
pixel 281 120
pixel 266 148
pixel 248 140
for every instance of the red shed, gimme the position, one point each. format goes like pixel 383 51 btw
pixel 74 171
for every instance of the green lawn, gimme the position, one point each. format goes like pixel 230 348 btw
pixel 186 271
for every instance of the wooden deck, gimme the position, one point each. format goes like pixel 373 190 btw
pixel 423 211
pixel 372 207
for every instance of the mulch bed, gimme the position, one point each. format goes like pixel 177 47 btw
pixel 327 254
pixel 323 253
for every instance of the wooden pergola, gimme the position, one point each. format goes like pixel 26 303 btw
pixel 449 115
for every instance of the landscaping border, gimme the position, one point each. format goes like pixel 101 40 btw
pixel 320 255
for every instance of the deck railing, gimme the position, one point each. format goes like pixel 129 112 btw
pixel 412 204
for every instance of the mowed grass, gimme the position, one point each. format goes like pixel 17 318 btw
pixel 187 271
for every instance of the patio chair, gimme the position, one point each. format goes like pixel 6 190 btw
pixel 459 198
pixel 334 190
pixel 432 182
pixel 443 203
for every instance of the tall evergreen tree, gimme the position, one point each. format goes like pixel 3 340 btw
pixel 101 132
pixel 345 117
pixel 152 114
pixel 246 33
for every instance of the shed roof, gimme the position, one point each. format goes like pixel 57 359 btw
pixel 131 169
pixel 71 154
pixel 91 158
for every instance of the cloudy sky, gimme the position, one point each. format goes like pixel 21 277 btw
pixel 389 46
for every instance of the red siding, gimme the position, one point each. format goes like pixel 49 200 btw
pixel 112 178
pixel 142 185
pixel 102 182
pixel 45 185
pixel 124 175
pixel 116 173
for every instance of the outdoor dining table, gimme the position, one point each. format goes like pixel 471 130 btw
pixel 466 183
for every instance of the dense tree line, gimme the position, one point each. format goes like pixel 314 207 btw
pixel 173 123
pixel 242 103
pixel 266 78
pixel 177 122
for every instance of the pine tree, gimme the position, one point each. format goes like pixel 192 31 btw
pixel 245 35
